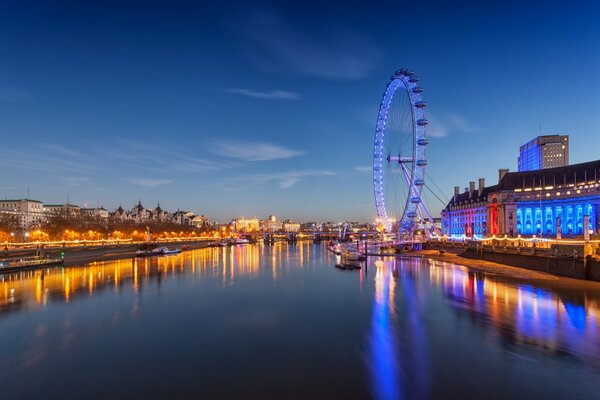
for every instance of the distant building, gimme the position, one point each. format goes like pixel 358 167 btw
pixel 200 221
pixel 71 210
pixel 95 212
pixel 246 224
pixel 272 224
pixel 184 218
pixel 29 212
pixel 549 151
pixel 291 226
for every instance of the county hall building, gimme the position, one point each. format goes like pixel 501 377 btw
pixel 531 202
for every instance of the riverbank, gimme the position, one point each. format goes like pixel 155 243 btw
pixel 482 265
pixel 86 254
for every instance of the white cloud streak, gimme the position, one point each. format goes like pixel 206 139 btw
pixel 447 124
pixel 268 95
pixel 254 151
pixel 148 182
pixel 283 180
pixel 364 168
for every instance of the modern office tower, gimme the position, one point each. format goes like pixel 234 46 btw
pixel 548 151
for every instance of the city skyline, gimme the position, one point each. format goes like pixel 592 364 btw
pixel 271 109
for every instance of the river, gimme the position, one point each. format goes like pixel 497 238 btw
pixel 282 322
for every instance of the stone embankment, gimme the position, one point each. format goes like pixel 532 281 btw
pixel 74 255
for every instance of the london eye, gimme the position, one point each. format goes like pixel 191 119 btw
pixel 399 156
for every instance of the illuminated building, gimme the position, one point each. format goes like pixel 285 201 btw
pixel 246 224
pixel 66 209
pixel 541 202
pixel 95 212
pixel 272 224
pixel 201 221
pixel 291 226
pixel 548 151
pixel 29 212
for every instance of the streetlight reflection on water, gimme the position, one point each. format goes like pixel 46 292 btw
pixel 418 326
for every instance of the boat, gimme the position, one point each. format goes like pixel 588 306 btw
pixel 159 251
pixel 241 241
pixel 19 264
pixel 166 251
pixel 354 256
pixel 148 253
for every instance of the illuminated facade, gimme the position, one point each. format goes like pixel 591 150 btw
pixel 246 224
pixel 291 226
pixel 28 212
pixel 549 151
pixel 272 224
pixel 545 202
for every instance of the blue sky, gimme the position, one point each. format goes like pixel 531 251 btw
pixel 252 109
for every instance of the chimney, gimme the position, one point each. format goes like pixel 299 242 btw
pixel 481 185
pixel 456 192
pixel 501 173
pixel 471 188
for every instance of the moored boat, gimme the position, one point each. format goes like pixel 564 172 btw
pixel 159 251
pixel 354 256
pixel 25 263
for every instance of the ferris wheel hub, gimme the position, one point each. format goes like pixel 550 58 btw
pixel 399 159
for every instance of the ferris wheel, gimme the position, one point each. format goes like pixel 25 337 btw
pixel 399 158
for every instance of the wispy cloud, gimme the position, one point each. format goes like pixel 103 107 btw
pixel 159 157
pixel 49 161
pixel 76 180
pixel 363 168
pixel 254 151
pixel 444 125
pixel 148 182
pixel 284 180
pixel 333 53
pixel 268 95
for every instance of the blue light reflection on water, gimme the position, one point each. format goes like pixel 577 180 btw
pixel 399 361
pixel 384 365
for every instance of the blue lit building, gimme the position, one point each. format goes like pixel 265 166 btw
pixel 548 151
pixel 528 203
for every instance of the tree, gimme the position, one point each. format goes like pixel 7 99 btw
pixel 9 223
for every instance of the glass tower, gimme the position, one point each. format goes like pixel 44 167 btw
pixel 547 151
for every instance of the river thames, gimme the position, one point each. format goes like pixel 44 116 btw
pixel 282 322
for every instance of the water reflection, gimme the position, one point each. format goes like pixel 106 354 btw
pixel 559 318
pixel 398 339
pixel 562 320
pixel 33 289
pixel 384 363
pixel 281 321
